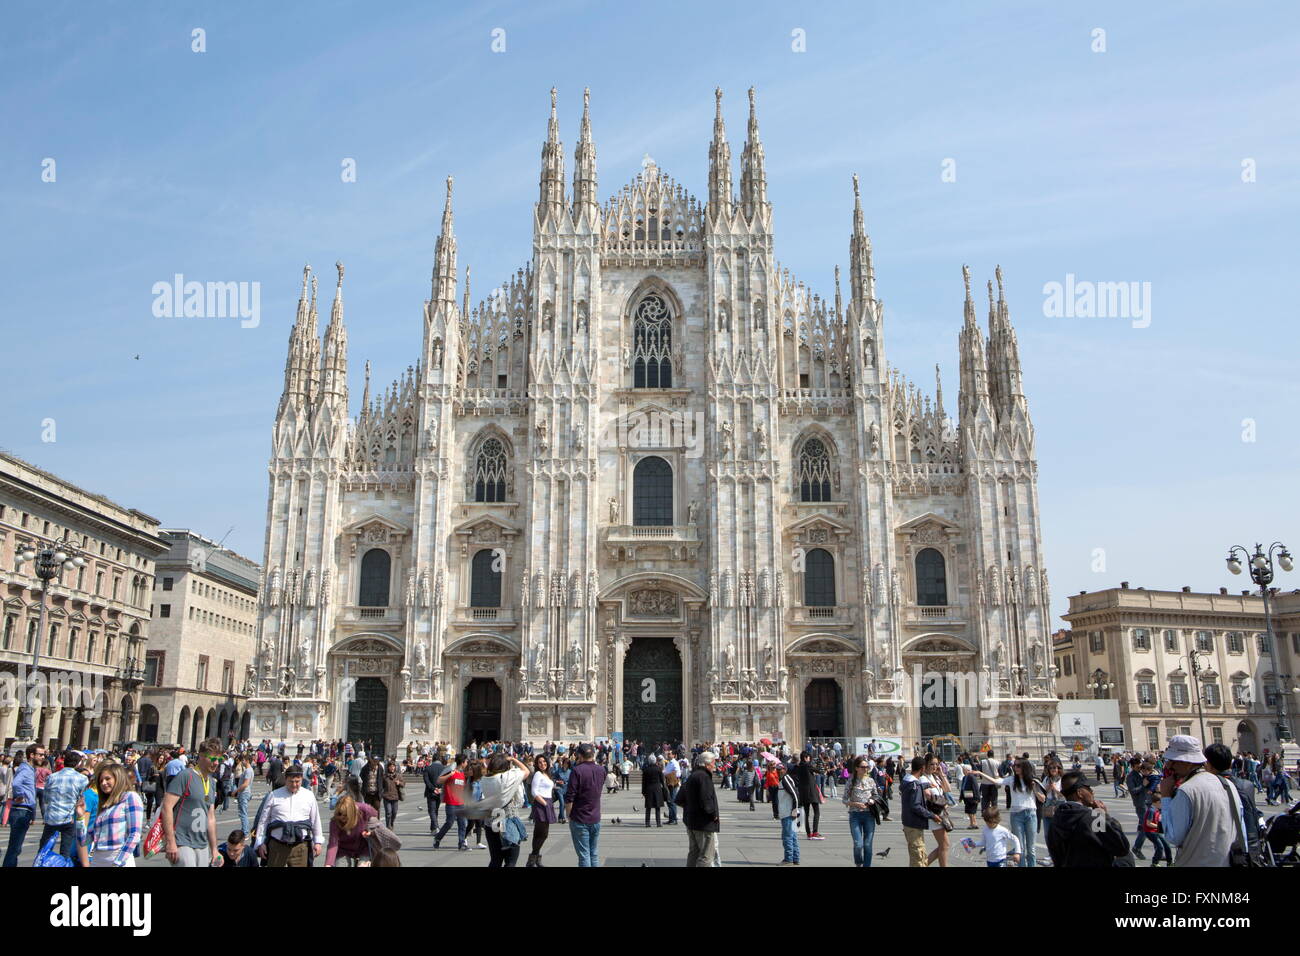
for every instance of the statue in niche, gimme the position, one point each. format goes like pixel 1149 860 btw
pixel 422 660
pixel 693 513
pixel 613 510
pixel 873 437
pixel 724 440
pixel 575 659
pixel 579 436
pixel 767 660
pixel 535 661
pixel 760 439
pixel 729 660
pixel 543 445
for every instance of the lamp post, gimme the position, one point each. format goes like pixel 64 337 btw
pixel 1194 665
pixel 1100 685
pixel 1261 572
pixel 48 563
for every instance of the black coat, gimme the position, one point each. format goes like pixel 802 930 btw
pixel 652 786
pixel 701 810
pixel 806 781
pixel 1075 841
pixel 431 775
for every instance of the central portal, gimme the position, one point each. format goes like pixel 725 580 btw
pixel 368 715
pixel 652 691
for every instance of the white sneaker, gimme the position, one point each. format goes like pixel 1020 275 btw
pixel 481 846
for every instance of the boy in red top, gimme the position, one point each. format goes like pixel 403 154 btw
pixel 453 796
pixel 1151 827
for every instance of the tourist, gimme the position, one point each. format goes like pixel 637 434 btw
pixel 393 788
pixel 1026 796
pixel 503 798
pixel 672 780
pixel 700 812
pixel 372 782
pixel 1136 782
pixel 624 772
pixel 59 815
pixel 289 832
pixel 243 789
pixel 1052 796
pixel 653 791
pixel 917 816
pixel 747 784
pixel 612 782
pixel 936 786
pixel 542 789
pixel 349 828
pixel 474 771
pixel 1153 828
pixel 189 815
pixel 969 793
pixel 22 809
pixel 433 772
pixel 582 805
pixel 785 807
pixel 810 795
pixel 236 851
pixel 1203 812
pixel 451 787
pixel 861 797
pixel 1083 833
pixel 988 791
pixel 999 843
pixel 561 777
pixel 117 824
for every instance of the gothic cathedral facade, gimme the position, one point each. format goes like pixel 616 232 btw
pixel 652 486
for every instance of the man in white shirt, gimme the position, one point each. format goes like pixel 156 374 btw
pixel 290 822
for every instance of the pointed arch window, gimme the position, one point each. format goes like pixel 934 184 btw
pixel 931 578
pixel 376 566
pixel 485 580
pixel 814 471
pixel 652 493
pixel 819 579
pixel 652 344
pixel 490 466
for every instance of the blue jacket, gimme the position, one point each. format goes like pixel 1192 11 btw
pixel 913 796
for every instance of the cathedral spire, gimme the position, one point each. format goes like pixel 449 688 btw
pixel 938 392
pixel 584 167
pixel 1004 352
pixel 464 308
pixel 973 398
pixel 551 194
pixel 365 394
pixel 297 375
pixel 334 366
pixel 444 258
pixel 720 197
pixel 839 309
pixel 753 172
pixel 862 274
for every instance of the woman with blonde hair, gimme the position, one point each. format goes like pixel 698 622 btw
pixel 117 825
pixel 349 828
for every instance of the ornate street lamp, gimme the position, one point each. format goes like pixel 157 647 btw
pixel 49 562
pixel 1261 572
pixel 1194 665
pixel 1100 685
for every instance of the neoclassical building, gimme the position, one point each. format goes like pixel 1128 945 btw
pixel 651 485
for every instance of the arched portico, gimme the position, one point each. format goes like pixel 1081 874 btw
pixel 376 659
pixel 478 656
pixel 820 658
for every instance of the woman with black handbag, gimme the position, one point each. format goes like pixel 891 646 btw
pixel 936 789
pixel 862 797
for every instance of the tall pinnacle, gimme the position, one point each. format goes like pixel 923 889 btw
pixel 334 367
pixel 551 186
pixel 584 166
pixel 753 173
pixel 862 274
pixel 444 258
pixel 719 163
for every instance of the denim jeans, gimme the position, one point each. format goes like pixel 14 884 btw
pixel 1162 851
pixel 67 838
pixel 453 813
pixel 20 818
pixel 672 803
pixel 586 839
pixel 789 840
pixel 244 796
pixel 862 825
pixel 1024 824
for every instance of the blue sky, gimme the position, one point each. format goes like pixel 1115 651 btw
pixel 1124 165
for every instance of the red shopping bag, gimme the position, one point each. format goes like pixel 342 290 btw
pixel 154 838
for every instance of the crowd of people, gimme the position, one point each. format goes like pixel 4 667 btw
pixel 333 803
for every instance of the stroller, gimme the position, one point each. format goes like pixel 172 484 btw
pixel 1280 838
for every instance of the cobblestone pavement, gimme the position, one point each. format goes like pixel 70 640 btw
pixel 746 838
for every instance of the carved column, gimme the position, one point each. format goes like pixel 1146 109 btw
pixel 621 645
pixel 688 688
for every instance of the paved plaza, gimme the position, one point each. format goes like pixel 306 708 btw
pixel 747 838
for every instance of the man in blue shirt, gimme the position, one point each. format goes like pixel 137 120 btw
pixel 62 792
pixel 23 809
